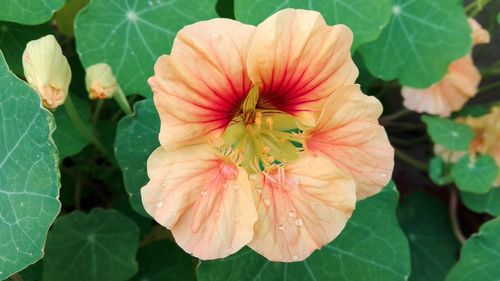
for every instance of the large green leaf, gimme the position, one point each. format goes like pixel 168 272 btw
pixel 29 176
pixel 480 256
pixel 475 175
pixel 366 18
pixel 97 246
pixel 452 135
pixel 483 203
pixel 372 246
pixel 130 35
pixel 421 40
pixel 13 39
pixel 163 260
pixel 136 139
pixel 68 138
pixel 433 245
pixel 29 11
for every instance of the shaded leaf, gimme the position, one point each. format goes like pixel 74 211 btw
pixel 130 35
pixel 97 246
pixel 29 176
pixel 450 134
pixel 475 175
pixel 372 244
pixel 440 171
pixel 421 40
pixel 137 138
pixel 483 203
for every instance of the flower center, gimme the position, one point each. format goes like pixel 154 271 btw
pixel 263 137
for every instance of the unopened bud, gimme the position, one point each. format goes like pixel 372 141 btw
pixel 47 70
pixel 100 81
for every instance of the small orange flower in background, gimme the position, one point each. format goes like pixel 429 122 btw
pixel 47 70
pixel 265 139
pixel 458 86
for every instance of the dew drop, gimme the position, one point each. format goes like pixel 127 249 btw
pixel 295 257
pixel 281 227
pixel 291 214
pixel 267 202
pixel 383 175
pixel 298 222
pixel 159 204
pixel 204 193
pixel 259 190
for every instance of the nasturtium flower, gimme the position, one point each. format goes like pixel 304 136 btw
pixel 100 81
pixel 265 139
pixel 47 70
pixel 458 85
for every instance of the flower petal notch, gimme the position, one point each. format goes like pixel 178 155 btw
pixel 456 88
pixel 276 102
pixel 201 85
pixel 100 81
pixel 348 133
pixel 301 207
pixel 203 198
pixel 47 70
pixel 297 61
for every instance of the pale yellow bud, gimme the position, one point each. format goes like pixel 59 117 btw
pixel 47 70
pixel 100 81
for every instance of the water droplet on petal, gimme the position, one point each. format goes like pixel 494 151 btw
pixel 204 193
pixel 159 204
pixel 281 227
pixel 267 202
pixel 383 175
pixel 291 214
pixel 298 222
pixel 295 257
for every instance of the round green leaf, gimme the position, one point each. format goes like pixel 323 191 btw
pixel 452 135
pixel 68 138
pixel 163 260
pixel 475 176
pixel 366 18
pixel 440 171
pixel 371 246
pixel 483 203
pixel 136 139
pixel 29 176
pixel 13 40
pixel 421 40
pixel 29 11
pixel 130 35
pixel 97 246
pixel 433 245
pixel 480 256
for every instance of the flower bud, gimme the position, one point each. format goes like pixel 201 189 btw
pixel 47 70
pixel 100 81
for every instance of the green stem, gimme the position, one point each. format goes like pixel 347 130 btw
pixel 411 161
pixel 84 130
pixel 395 115
pixel 97 112
pixel 122 101
pixel 453 216
pixel 489 87
pixel 476 7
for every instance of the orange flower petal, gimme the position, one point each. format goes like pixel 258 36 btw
pixel 301 207
pixel 201 85
pixel 298 61
pixel 450 94
pixel 204 199
pixel 479 35
pixel 349 135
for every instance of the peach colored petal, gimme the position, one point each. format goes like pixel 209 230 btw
pixel 301 207
pixel 201 85
pixel 450 94
pixel 204 199
pixel 348 133
pixel 298 61
pixel 479 35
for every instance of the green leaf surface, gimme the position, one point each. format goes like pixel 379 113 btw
pixel 130 35
pixel 29 11
pixel 440 171
pixel 97 246
pixel 480 256
pixel 483 203
pixel 13 40
pixel 452 135
pixel 372 246
pixel 136 139
pixel 68 138
pixel 29 176
pixel 163 260
pixel 366 18
pixel 433 245
pixel 475 176
pixel 421 40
